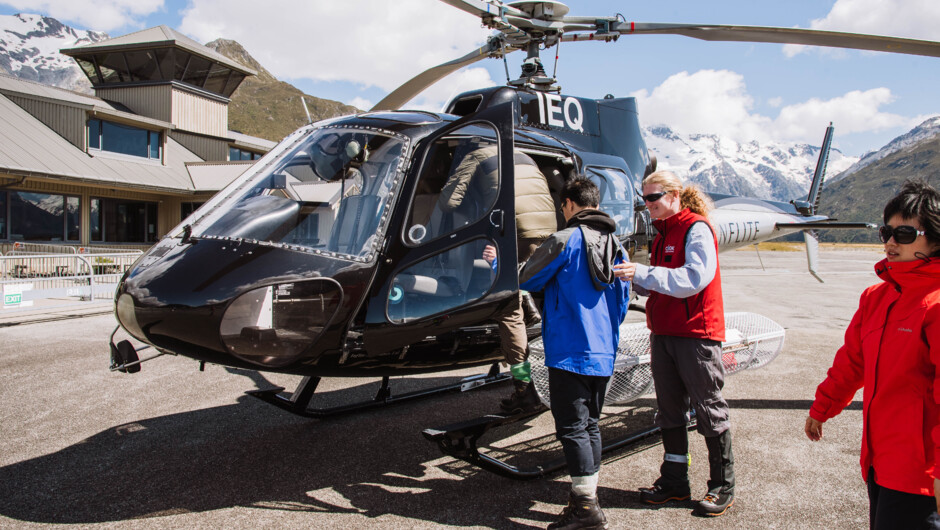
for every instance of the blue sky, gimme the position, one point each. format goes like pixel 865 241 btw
pixel 356 51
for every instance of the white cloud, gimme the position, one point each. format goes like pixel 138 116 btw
pixel 368 43
pixel 360 103
pixel 913 19
pixel 707 101
pixel 100 15
pixel 717 102
pixel 434 98
pixel 854 112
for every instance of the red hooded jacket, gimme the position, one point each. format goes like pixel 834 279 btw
pixel 892 348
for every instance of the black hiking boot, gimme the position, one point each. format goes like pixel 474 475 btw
pixel 581 512
pixel 714 504
pixel 524 398
pixel 720 494
pixel 661 494
pixel 673 481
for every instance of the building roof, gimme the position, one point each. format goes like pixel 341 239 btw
pixel 158 36
pixel 30 148
pixel 251 142
pixel 10 85
pixel 213 176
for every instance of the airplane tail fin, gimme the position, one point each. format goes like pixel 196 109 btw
pixel 820 175
pixel 812 253
pixel 810 206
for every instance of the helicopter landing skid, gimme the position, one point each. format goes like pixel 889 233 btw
pixel 299 402
pixel 459 440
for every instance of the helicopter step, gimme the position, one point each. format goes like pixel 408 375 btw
pixel 459 440
pixel 299 401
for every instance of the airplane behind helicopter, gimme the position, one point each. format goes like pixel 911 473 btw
pixel 334 255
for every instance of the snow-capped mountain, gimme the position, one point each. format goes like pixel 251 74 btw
pixel 927 129
pixel 29 49
pixel 778 171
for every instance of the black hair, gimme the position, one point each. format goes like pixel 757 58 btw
pixel 582 192
pixel 918 200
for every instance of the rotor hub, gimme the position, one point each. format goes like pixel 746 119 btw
pixel 541 10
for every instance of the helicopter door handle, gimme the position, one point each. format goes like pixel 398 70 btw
pixel 496 219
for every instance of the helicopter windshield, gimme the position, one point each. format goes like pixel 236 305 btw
pixel 328 194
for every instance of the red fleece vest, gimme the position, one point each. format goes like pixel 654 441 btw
pixel 701 315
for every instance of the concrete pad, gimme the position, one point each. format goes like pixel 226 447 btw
pixel 173 447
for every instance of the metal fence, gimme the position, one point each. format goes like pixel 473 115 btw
pixel 30 278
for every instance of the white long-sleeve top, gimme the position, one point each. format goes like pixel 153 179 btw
pixel 701 263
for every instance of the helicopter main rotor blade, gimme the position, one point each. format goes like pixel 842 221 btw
pixel 414 86
pixel 809 37
pixel 484 8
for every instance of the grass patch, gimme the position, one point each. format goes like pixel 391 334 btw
pixel 793 246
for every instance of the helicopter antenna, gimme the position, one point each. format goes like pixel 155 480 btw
pixel 304 103
pixel 557 51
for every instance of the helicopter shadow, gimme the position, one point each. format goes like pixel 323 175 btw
pixel 250 454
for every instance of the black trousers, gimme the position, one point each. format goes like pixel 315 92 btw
pixel 888 509
pixel 577 401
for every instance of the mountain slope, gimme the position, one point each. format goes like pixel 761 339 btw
pixel 777 171
pixel 861 196
pixel 924 131
pixel 29 49
pixel 267 108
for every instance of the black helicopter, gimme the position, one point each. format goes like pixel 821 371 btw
pixel 335 254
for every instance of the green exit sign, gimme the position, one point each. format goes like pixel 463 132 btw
pixel 12 299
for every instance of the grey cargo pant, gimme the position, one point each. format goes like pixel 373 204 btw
pixel 688 371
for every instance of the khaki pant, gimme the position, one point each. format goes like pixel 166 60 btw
pixel 512 336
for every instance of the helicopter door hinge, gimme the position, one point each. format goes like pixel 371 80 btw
pixel 496 219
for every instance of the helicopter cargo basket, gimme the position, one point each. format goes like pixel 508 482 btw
pixel 751 341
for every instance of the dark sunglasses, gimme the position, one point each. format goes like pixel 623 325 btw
pixel 653 197
pixel 903 235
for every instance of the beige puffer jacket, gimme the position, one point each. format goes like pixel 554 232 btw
pixel 535 211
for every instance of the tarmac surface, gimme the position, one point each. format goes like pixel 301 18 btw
pixel 173 447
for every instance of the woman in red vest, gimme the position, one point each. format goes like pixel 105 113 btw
pixel 686 316
pixel 892 349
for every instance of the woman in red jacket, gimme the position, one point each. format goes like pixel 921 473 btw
pixel 892 349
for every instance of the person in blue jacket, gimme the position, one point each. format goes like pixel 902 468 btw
pixel 583 307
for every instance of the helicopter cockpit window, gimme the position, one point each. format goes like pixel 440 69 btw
pixel 442 282
pixel 458 184
pixel 616 196
pixel 328 195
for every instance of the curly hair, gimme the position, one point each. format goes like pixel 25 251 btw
pixel 691 196
pixel 918 200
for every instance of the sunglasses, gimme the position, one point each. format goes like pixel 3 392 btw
pixel 653 197
pixel 903 235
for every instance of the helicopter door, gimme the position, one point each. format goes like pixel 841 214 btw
pixel 454 262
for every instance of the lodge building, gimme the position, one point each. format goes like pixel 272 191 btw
pixel 126 165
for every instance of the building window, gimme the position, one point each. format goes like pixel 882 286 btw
pixel 124 139
pixel 235 153
pixel 187 208
pixel 3 215
pixel 123 221
pixel 41 217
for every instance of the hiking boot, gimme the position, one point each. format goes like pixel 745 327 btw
pixel 673 481
pixel 661 494
pixel 524 398
pixel 720 494
pixel 714 504
pixel 581 512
